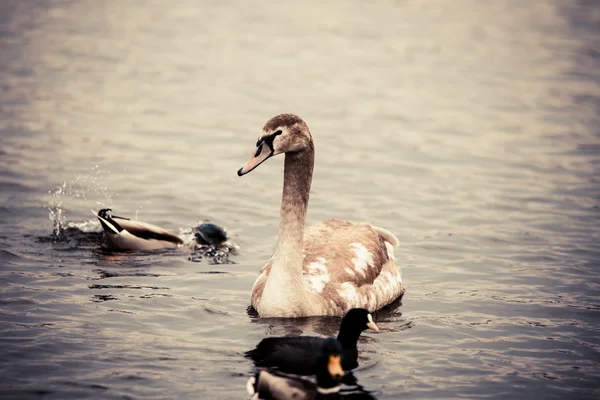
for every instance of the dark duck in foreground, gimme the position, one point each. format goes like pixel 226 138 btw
pixel 268 385
pixel 330 267
pixel 126 234
pixel 298 354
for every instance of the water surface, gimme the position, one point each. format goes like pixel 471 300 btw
pixel 470 129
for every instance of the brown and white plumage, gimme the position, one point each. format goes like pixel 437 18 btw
pixel 330 267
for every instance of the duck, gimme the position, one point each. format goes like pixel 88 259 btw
pixel 270 385
pixel 125 234
pixel 297 354
pixel 327 268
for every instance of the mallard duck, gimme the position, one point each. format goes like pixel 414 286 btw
pixel 298 354
pixel 330 267
pixel 126 234
pixel 269 385
pixel 208 234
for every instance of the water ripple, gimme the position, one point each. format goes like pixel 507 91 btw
pixel 469 129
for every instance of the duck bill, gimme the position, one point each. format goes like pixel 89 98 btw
pixel 261 154
pixel 371 324
pixel 334 366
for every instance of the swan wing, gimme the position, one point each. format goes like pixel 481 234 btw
pixel 351 264
pixel 348 251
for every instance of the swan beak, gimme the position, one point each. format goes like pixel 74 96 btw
pixel 258 157
pixel 334 366
pixel 371 324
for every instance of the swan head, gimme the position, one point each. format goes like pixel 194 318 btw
pixel 285 133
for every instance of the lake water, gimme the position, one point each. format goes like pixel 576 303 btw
pixel 469 128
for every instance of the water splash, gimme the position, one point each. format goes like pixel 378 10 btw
pixel 66 194
pixel 212 255
pixel 207 252
pixel 56 212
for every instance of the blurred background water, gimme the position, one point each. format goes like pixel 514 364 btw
pixel 469 128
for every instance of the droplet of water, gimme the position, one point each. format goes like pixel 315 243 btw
pixel 63 196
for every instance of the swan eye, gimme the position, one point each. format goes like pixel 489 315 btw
pixel 269 139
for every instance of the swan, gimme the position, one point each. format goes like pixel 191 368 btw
pixel 298 354
pixel 125 234
pixel 267 385
pixel 332 266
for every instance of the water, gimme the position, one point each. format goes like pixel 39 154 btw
pixel 470 129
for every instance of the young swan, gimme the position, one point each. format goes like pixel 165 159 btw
pixel 334 265
pixel 267 385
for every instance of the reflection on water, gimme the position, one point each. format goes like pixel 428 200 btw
pixel 469 129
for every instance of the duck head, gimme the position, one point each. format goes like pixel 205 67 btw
pixel 329 365
pixel 358 319
pixel 353 324
pixel 285 133
pixel 210 234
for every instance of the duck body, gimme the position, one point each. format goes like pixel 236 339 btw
pixel 292 355
pixel 267 385
pixel 298 354
pixel 332 266
pixel 274 386
pixel 125 234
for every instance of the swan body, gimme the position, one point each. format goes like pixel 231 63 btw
pixel 330 267
pixel 269 385
pixel 298 354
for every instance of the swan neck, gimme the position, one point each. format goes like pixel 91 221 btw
pixel 297 178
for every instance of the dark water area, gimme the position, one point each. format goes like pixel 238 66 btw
pixel 470 129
